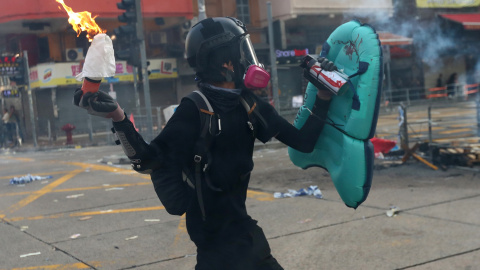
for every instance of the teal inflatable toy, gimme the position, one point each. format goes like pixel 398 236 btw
pixel 344 148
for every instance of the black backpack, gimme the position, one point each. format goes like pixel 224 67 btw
pixel 210 126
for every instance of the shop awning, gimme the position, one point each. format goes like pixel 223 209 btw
pixel 47 9
pixel 470 21
pixel 387 38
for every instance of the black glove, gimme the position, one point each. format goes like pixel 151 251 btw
pixel 326 64
pixel 99 104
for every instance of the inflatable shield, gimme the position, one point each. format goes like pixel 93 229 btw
pixel 344 148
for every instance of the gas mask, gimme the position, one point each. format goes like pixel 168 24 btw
pixel 255 76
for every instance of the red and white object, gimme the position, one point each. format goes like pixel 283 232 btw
pixel 335 81
pixel 100 59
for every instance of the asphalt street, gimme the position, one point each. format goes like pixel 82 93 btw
pixel 92 214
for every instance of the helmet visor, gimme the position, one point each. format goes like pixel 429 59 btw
pixel 247 53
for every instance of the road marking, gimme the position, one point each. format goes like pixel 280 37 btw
pixel 41 192
pixel 118 211
pixel 456 131
pixel 92 213
pixel 78 189
pixel 40 174
pixel 181 230
pixel 60 266
pixel 259 196
pixel 18 158
pixel 108 169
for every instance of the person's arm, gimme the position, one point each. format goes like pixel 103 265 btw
pixel 143 156
pixel 302 140
pixel 177 141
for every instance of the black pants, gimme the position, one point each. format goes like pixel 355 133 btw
pixel 245 252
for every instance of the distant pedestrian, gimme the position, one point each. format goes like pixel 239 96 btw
pixel 7 135
pixel 452 84
pixel 439 81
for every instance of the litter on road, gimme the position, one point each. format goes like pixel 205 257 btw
pixel 30 254
pixel 393 211
pixel 312 190
pixel 114 188
pixel 152 220
pixel 75 236
pixel 131 238
pixel 74 196
pixel 27 179
pixel 304 221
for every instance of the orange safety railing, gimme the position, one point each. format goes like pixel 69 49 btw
pixel 437 92
pixel 470 89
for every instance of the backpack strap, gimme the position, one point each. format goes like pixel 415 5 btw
pixel 254 115
pixel 202 157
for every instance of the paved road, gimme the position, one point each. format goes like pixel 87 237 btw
pixel 455 121
pixel 92 215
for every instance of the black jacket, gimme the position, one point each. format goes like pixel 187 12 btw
pixel 232 151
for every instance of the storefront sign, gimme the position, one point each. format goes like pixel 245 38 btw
pixel 291 53
pixel 58 74
pixel 10 93
pixel 447 3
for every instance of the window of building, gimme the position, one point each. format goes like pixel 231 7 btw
pixel 243 11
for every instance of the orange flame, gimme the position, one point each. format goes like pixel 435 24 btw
pixel 82 21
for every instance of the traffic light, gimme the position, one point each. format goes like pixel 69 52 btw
pixel 127 36
pixel 19 72
pixel 128 52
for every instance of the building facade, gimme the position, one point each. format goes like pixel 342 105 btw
pixel 56 53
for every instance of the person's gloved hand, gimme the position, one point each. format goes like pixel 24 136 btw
pixel 99 104
pixel 326 64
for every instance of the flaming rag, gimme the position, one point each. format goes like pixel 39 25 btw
pixel 100 59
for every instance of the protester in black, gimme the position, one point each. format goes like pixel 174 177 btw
pixel 220 51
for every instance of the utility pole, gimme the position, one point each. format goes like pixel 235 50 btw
pixel 132 37
pixel 273 58
pixel 144 68
pixel 201 10
pixel 30 98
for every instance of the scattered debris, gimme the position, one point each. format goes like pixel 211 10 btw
pixel 393 211
pixel 131 238
pixel 304 221
pixel 106 211
pixel 27 179
pixel 30 254
pixel 23 228
pixel 74 196
pixel 85 218
pixel 152 220
pixel 114 188
pixel 115 159
pixel 312 190
pixel 75 236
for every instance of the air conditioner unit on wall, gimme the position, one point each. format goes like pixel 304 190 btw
pixel 158 38
pixel 74 54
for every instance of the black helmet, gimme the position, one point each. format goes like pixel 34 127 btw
pixel 214 35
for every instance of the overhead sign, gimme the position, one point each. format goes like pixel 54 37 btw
pixel 58 74
pixel 8 65
pixel 447 3
pixel 291 53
